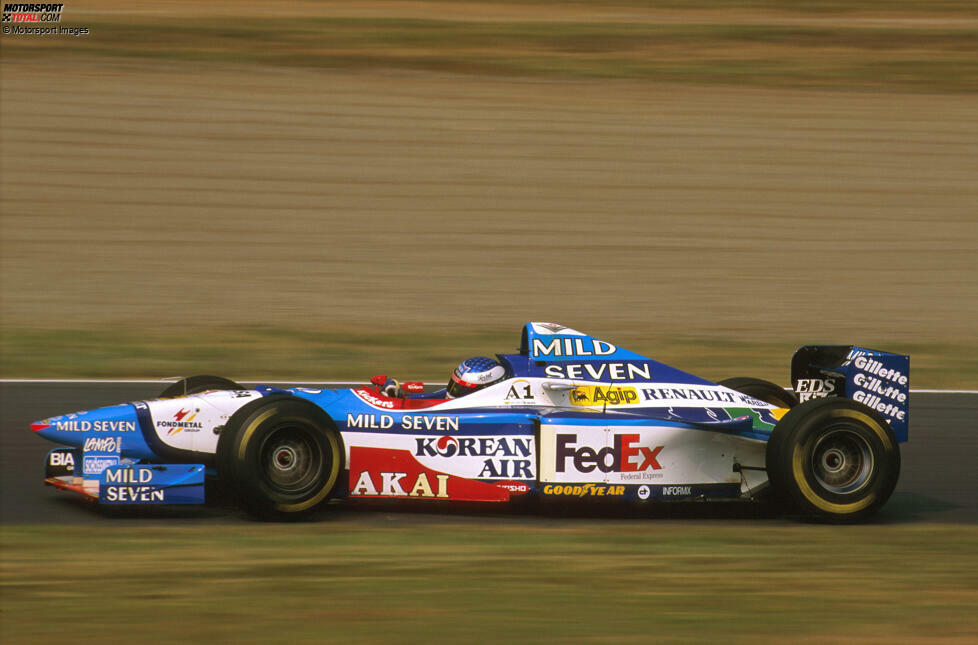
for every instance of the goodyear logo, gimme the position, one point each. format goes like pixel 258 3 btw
pixel 584 490
pixel 603 395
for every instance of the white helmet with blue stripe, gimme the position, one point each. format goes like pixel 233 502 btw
pixel 474 374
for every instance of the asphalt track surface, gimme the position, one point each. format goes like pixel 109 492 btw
pixel 937 481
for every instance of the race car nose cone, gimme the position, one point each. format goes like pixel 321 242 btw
pixel 74 429
pixel 48 428
pixel 38 426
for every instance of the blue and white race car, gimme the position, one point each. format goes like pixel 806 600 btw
pixel 570 416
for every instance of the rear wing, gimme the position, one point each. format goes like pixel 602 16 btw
pixel 880 380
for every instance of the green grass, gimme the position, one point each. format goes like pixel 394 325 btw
pixel 931 58
pixel 574 581
pixel 424 353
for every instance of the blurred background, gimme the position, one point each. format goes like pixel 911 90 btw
pixel 331 190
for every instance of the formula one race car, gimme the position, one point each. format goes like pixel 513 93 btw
pixel 569 416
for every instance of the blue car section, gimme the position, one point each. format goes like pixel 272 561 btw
pixel 574 417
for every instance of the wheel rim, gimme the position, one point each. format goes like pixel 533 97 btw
pixel 291 461
pixel 842 461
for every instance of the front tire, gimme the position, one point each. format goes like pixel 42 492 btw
pixel 198 384
pixel 833 459
pixel 280 457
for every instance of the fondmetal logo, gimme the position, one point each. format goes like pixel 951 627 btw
pixel 182 423
pixel 20 12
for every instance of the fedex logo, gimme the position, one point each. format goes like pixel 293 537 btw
pixel 621 457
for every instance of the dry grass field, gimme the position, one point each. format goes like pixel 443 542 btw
pixel 377 580
pixel 198 170
pixel 334 189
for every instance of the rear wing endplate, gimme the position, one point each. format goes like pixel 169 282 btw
pixel 880 380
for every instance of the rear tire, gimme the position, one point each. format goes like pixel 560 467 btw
pixel 198 384
pixel 760 389
pixel 280 457
pixel 833 459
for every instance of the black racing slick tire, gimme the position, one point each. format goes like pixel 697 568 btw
pixel 198 384
pixel 760 389
pixel 833 459
pixel 280 457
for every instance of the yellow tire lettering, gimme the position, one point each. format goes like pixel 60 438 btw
pixel 870 422
pixel 250 430
pixel 330 480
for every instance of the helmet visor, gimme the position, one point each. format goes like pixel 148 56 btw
pixel 458 387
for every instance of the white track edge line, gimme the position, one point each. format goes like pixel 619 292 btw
pixel 162 381
pixel 174 380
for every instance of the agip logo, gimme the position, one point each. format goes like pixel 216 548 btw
pixel 591 395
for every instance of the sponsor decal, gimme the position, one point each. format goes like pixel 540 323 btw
pixel 171 484
pixel 94 465
pixel 370 421
pixel 95 426
pixel 875 402
pixel 876 368
pixel 449 446
pixel 387 484
pixel 598 395
pixel 369 397
pixel 103 444
pixel 137 494
pixel 520 392
pixel 698 394
pixel 182 421
pixel 584 490
pixel 557 347
pixel 644 491
pixel 552 328
pixel 62 460
pixel 853 355
pixel 37 427
pixel 814 388
pixel 515 488
pixel 437 423
pixel 601 371
pixel 875 386
pixel 413 387
pixel 389 473
pixel 677 491
pixel 503 453
pixel 622 457
pixel 129 476
pixel 881 384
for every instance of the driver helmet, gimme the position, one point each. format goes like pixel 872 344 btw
pixel 474 374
